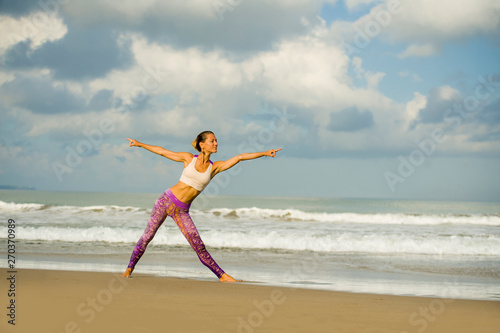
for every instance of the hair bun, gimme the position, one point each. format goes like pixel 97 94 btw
pixel 200 138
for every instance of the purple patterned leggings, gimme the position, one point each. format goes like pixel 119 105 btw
pixel 168 205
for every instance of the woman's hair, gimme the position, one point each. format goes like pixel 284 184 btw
pixel 200 138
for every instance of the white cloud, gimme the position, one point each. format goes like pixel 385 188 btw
pixel 435 21
pixel 246 26
pixel 413 107
pixel 136 12
pixel 417 50
pixel 132 12
pixel 372 79
pixel 304 71
pixel 309 74
pixel 162 69
pixel 38 27
pixel 208 89
pixel 448 93
pixel 426 24
pixel 70 125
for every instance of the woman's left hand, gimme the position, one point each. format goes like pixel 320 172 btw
pixel 272 152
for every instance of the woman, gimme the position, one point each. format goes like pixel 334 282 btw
pixel 175 202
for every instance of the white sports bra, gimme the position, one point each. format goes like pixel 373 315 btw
pixel 194 178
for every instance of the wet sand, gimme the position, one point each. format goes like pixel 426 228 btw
pixel 75 302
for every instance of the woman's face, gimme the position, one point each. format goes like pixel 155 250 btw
pixel 210 144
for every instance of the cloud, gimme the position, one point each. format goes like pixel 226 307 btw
pixel 416 50
pixel 200 88
pixel 79 54
pixel 183 24
pixel 436 21
pixel 84 54
pixel 101 100
pixel 17 56
pixel 413 108
pixel 467 122
pixel 313 73
pixel 18 8
pixel 490 114
pixel 221 91
pixel 350 120
pixel 40 95
pixel 445 104
pixel 425 26
pixel 440 99
pixel 488 118
pixel 37 28
pixel 372 79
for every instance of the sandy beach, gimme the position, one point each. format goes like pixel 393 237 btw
pixel 72 302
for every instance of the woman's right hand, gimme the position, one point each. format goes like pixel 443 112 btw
pixel 133 142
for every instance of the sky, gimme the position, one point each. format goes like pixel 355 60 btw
pixel 373 99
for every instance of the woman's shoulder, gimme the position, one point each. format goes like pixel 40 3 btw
pixel 187 157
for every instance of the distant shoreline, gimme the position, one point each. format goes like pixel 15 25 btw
pixel 9 187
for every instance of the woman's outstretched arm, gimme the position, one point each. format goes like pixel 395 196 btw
pixel 220 166
pixel 177 157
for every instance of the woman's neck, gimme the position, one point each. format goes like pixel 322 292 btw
pixel 205 157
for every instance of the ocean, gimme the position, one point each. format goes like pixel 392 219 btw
pixel 418 248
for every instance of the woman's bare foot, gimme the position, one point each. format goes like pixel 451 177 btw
pixel 127 273
pixel 227 278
